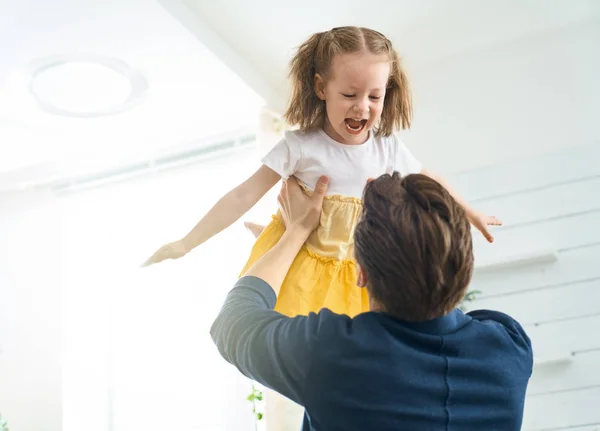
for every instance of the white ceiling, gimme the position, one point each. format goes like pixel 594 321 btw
pixel 190 96
pixel 212 64
pixel 257 38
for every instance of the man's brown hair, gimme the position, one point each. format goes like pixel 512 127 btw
pixel 315 55
pixel 413 242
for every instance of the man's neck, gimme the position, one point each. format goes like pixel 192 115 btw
pixel 378 308
pixel 375 306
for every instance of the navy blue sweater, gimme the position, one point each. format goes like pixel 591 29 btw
pixel 375 372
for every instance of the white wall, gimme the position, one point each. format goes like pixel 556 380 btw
pixel 551 206
pixel 507 101
pixel 135 351
pixel 30 312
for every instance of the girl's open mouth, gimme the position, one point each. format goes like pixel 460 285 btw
pixel 354 126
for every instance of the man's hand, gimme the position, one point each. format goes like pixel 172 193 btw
pixel 298 210
pixel 301 214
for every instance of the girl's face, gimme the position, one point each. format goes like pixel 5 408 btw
pixel 353 93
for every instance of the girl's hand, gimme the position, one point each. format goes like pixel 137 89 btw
pixel 482 221
pixel 173 250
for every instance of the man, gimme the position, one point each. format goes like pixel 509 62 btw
pixel 414 362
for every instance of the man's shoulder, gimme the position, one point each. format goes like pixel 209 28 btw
pixel 502 325
pixel 334 334
pixel 329 329
pixel 492 317
pixel 327 324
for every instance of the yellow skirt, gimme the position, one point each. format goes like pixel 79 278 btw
pixel 323 274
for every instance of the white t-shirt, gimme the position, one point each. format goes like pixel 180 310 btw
pixel 309 155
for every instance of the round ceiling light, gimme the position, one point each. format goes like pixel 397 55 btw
pixel 85 86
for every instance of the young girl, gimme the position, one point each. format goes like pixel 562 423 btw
pixel 349 96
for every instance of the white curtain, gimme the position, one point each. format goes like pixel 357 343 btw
pixel 138 355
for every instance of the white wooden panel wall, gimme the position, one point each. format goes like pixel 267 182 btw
pixel 544 270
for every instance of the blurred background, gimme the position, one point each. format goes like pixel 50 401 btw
pixel 122 122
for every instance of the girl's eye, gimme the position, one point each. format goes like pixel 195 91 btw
pixel 350 96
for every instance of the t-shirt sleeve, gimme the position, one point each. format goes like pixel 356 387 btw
pixel 405 162
pixel 266 346
pixel 284 158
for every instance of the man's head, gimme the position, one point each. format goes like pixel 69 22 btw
pixel 413 246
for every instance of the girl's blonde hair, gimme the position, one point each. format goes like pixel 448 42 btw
pixel 315 55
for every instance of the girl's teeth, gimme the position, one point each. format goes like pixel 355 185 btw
pixel 354 126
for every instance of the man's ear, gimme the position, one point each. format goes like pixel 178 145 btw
pixel 362 277
pixel 319 86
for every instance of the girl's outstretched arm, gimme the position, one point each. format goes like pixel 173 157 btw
pixel 222 215
pixel 479 220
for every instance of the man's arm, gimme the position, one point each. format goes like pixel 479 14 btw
pixel 266 346
pixel 262 344
pixel 275 264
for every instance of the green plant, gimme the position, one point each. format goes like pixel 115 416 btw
pixel 470 296
pixel 255 397
pixel 3 424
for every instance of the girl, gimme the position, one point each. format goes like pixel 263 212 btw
pixel 349 96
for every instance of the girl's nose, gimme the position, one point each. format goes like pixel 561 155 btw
pixel 362 107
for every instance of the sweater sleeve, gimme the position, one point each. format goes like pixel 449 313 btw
pixel 264 345
pixel 511 330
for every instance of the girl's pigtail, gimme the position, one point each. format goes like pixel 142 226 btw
pixel 304 106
